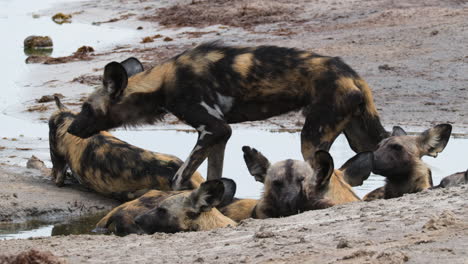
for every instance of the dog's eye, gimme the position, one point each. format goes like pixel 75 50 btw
pixel 277 184
pixel 87 109
pixel 396 147
pixel 161 211
pixel 192 215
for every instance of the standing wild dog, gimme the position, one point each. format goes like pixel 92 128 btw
pixel 106 164
pixel 212 86
pixel 398 159
pixel 172 211
pixel 293 186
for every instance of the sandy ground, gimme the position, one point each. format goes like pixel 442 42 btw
pixel 428 227
pixel 30 194
pixel 414 57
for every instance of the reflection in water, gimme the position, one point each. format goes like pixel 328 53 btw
pixel 34 228
pixel 24 230
pixel 76 226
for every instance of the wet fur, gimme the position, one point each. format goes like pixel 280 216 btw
pixel 108 165
pixel 121 219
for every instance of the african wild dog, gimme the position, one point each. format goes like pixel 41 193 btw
pixel 106 164
pixel 454 180
pixel 293 186
pixel 213 85
pixel 172 211
pixel 398 159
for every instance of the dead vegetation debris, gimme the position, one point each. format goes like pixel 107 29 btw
pixel 30 257
pixel 88 79
pixel 83 53
pixel 237 13
pixel 38 108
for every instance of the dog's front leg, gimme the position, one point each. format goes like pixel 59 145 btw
pixel 216 161
pixel 213 133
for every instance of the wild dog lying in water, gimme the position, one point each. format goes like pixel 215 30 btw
pixel 293 186
pixel 106 164
pixel 172 211
pixel 398 159
pixel 213 85
pixel 454 180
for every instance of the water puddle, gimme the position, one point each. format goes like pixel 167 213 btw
pixel 74 226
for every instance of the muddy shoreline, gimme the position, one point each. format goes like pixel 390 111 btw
pixel 412 54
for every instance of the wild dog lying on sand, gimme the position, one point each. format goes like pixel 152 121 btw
pixel 293 186
pixel 106 164
pixel 454 180
pixel 172 211
pixel 213 85
pixel 398 159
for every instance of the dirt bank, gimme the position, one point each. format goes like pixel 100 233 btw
pixel 428 227
pixel 29 194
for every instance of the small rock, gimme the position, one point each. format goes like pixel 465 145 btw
pixel 139 28
pixel 84 50
pixel 168 39
pixel 49 98
pixel 435 32
pixel 386 67
pixel 147 40
pixel 343 243
pixel 264 234
pixel 61 18
pixel 38 42
pixel 35 163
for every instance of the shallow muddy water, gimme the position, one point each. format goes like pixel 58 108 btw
pixel 73 226
pixel 17 23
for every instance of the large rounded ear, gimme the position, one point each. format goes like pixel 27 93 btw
pixel 323 167
pixel 398 131
pixel 257 164
pixel 229 192
pixel 208 195
pixel 357 169
pixel 59 104
pixel 115 79
pixel 132 66
pixel 434 140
